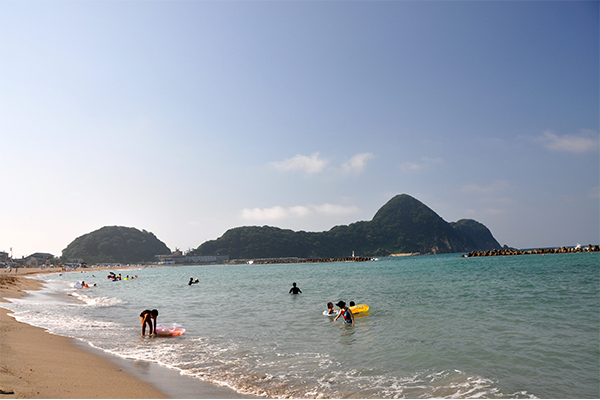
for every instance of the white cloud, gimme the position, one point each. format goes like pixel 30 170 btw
pixel 410 166
pixel 279 213
pixel 357 163
pixel 299 211
pixel 334 209
pixel 582 142
pixel 310 165
pixel 272 213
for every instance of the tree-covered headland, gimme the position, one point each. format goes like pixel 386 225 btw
pixel 402 225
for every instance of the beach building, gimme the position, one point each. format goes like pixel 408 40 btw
pixel 37 259
pixel 181 259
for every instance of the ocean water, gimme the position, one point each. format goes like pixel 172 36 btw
pixel 438 326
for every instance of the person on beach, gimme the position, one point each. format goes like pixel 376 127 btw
pixel 330 310
pixel 346 313
pixel 295 289
pixel 148 317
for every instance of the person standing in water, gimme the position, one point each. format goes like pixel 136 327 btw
pixel 148 317
pixel 346 313
pixel 295 289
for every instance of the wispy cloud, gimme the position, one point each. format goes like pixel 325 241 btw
pixel 410 166
pixel 315 164
pixel 279 213
pixel 424 163
pixel 334 209
pixel 582 142
pixel 309 164
pixel 491 199
pixel 357 163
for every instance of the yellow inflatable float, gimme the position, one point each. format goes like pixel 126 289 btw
pixel 359 308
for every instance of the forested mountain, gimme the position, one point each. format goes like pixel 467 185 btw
pixel 116 244
pixel 402 225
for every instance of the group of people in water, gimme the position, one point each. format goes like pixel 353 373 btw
pixel 148 317
pixel 344 311
pixel 114 277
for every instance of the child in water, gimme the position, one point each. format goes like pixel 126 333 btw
pixel 346 313
pixel 330 310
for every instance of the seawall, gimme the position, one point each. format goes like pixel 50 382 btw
pixel 515 252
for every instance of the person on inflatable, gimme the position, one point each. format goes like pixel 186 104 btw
pixel 146 318
pixel 346 313
pixel 330 310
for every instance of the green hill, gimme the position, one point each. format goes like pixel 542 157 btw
pixel 116 244
pixel 402 225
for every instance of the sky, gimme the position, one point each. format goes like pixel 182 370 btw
pixel 189 118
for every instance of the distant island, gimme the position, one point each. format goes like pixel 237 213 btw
pixel 115 244
pixel 403 225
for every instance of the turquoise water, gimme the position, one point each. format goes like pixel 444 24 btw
pixel 438 326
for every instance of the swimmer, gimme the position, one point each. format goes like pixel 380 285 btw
pixel 330 310
pixel 191 282
pixel 146 318
pixel 346 313
pixel 295 289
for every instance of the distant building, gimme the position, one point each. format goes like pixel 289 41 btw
pixel 206 259
pixel 180 259
pixel 37 259
pixel 3 257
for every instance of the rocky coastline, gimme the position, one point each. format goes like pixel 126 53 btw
pixel 516 252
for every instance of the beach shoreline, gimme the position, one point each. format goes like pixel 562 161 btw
pixel 37 364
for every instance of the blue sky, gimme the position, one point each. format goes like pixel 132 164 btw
pixel 188 118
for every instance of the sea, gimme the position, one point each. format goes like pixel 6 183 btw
pixel 442 326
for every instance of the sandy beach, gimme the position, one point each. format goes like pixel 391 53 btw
pixel 37 364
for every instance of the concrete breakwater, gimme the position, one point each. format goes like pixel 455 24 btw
pixel 515 252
